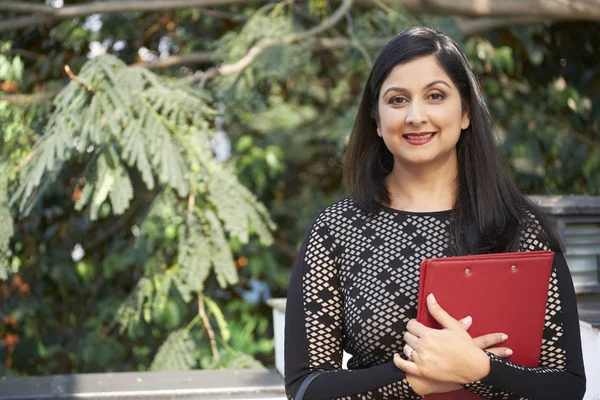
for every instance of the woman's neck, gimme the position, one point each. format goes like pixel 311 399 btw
pixel 422 189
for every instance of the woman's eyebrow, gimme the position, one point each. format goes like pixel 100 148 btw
pixel 400 89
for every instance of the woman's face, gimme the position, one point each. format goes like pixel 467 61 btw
pixel 420 113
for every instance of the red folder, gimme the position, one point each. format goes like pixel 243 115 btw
pixel 504 292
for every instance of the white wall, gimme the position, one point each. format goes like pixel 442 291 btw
pixel 590 340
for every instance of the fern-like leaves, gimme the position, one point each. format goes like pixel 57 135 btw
pixel 176 353
pixel 116 119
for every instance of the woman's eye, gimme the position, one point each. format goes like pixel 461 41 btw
pixel 437 96
pixel 396 100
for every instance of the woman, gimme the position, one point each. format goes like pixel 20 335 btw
pixel 424 181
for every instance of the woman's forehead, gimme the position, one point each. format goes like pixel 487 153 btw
pixel 416 74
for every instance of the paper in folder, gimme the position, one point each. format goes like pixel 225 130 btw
pixel 505 292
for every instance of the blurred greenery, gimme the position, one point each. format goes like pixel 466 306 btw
pixel 101 288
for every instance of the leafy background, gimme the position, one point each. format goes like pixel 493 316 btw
pixel 145 219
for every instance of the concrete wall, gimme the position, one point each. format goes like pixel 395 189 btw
pixel 590 338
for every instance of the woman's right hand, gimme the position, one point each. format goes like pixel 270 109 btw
pixel 423 386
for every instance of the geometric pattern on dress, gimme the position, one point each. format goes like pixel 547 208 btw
pixel 552 354
pixel 553 343
pixel 361 285
pixel 378 259
pixel 322 301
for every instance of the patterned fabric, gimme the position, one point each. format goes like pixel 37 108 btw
pixel 359 287
pixel 552 353
pixel 378 261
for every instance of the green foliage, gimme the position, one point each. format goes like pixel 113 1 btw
pixel 135 306
pixel 96 114
pixel 11 70
pixel 176 353
pixel 193 264
pixel 119 168
pixel 115 118
pixel 6 233
pixel 545 122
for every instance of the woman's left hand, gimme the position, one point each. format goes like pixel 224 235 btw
pixel 448 354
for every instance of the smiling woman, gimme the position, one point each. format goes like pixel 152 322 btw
pixel 423 181
pixel 420 105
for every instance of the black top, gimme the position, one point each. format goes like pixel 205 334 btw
pixel 354 287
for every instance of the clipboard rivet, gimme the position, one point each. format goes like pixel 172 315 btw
pixel 514 268
pixel 467 271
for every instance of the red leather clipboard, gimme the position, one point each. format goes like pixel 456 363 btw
pixel 505 292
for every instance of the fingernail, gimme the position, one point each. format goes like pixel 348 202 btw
pixel 509 352
pixel 431 298
pixel 504 336
pixel 396 355
pixel 468 320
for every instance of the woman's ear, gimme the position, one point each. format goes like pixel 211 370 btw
pixel 375 116
pixel 465 122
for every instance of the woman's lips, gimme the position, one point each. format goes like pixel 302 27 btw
pixel 419 139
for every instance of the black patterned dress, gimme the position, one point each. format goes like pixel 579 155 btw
pixel 354 287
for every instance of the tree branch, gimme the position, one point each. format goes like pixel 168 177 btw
pixel 27 54
pixel 339 42
pixel 474 26
pixel 107 7
pixel 75 78
pixel 540 9
pixel 206 322
pixel 24 22
pixel 188 58
pixel 205 56
pixel 197 58
pixel 537 10
pixel 29 98
pixel 256 50
pixel 20 6
pixel 47 14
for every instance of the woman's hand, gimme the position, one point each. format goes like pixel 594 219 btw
pixel 448 354
pixel 423 386
pixel 484 342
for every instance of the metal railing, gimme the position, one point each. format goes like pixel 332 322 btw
pixel 578 222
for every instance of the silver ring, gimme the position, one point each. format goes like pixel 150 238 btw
pixel 409 353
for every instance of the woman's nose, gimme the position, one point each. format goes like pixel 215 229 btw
pixel 416 115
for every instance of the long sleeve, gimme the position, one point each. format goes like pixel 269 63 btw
pixel 314 335
pixel 560 374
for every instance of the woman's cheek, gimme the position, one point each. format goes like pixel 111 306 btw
pixel 392 123
pixel 441 116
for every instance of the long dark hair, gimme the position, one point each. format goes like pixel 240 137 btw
pixel 489 210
